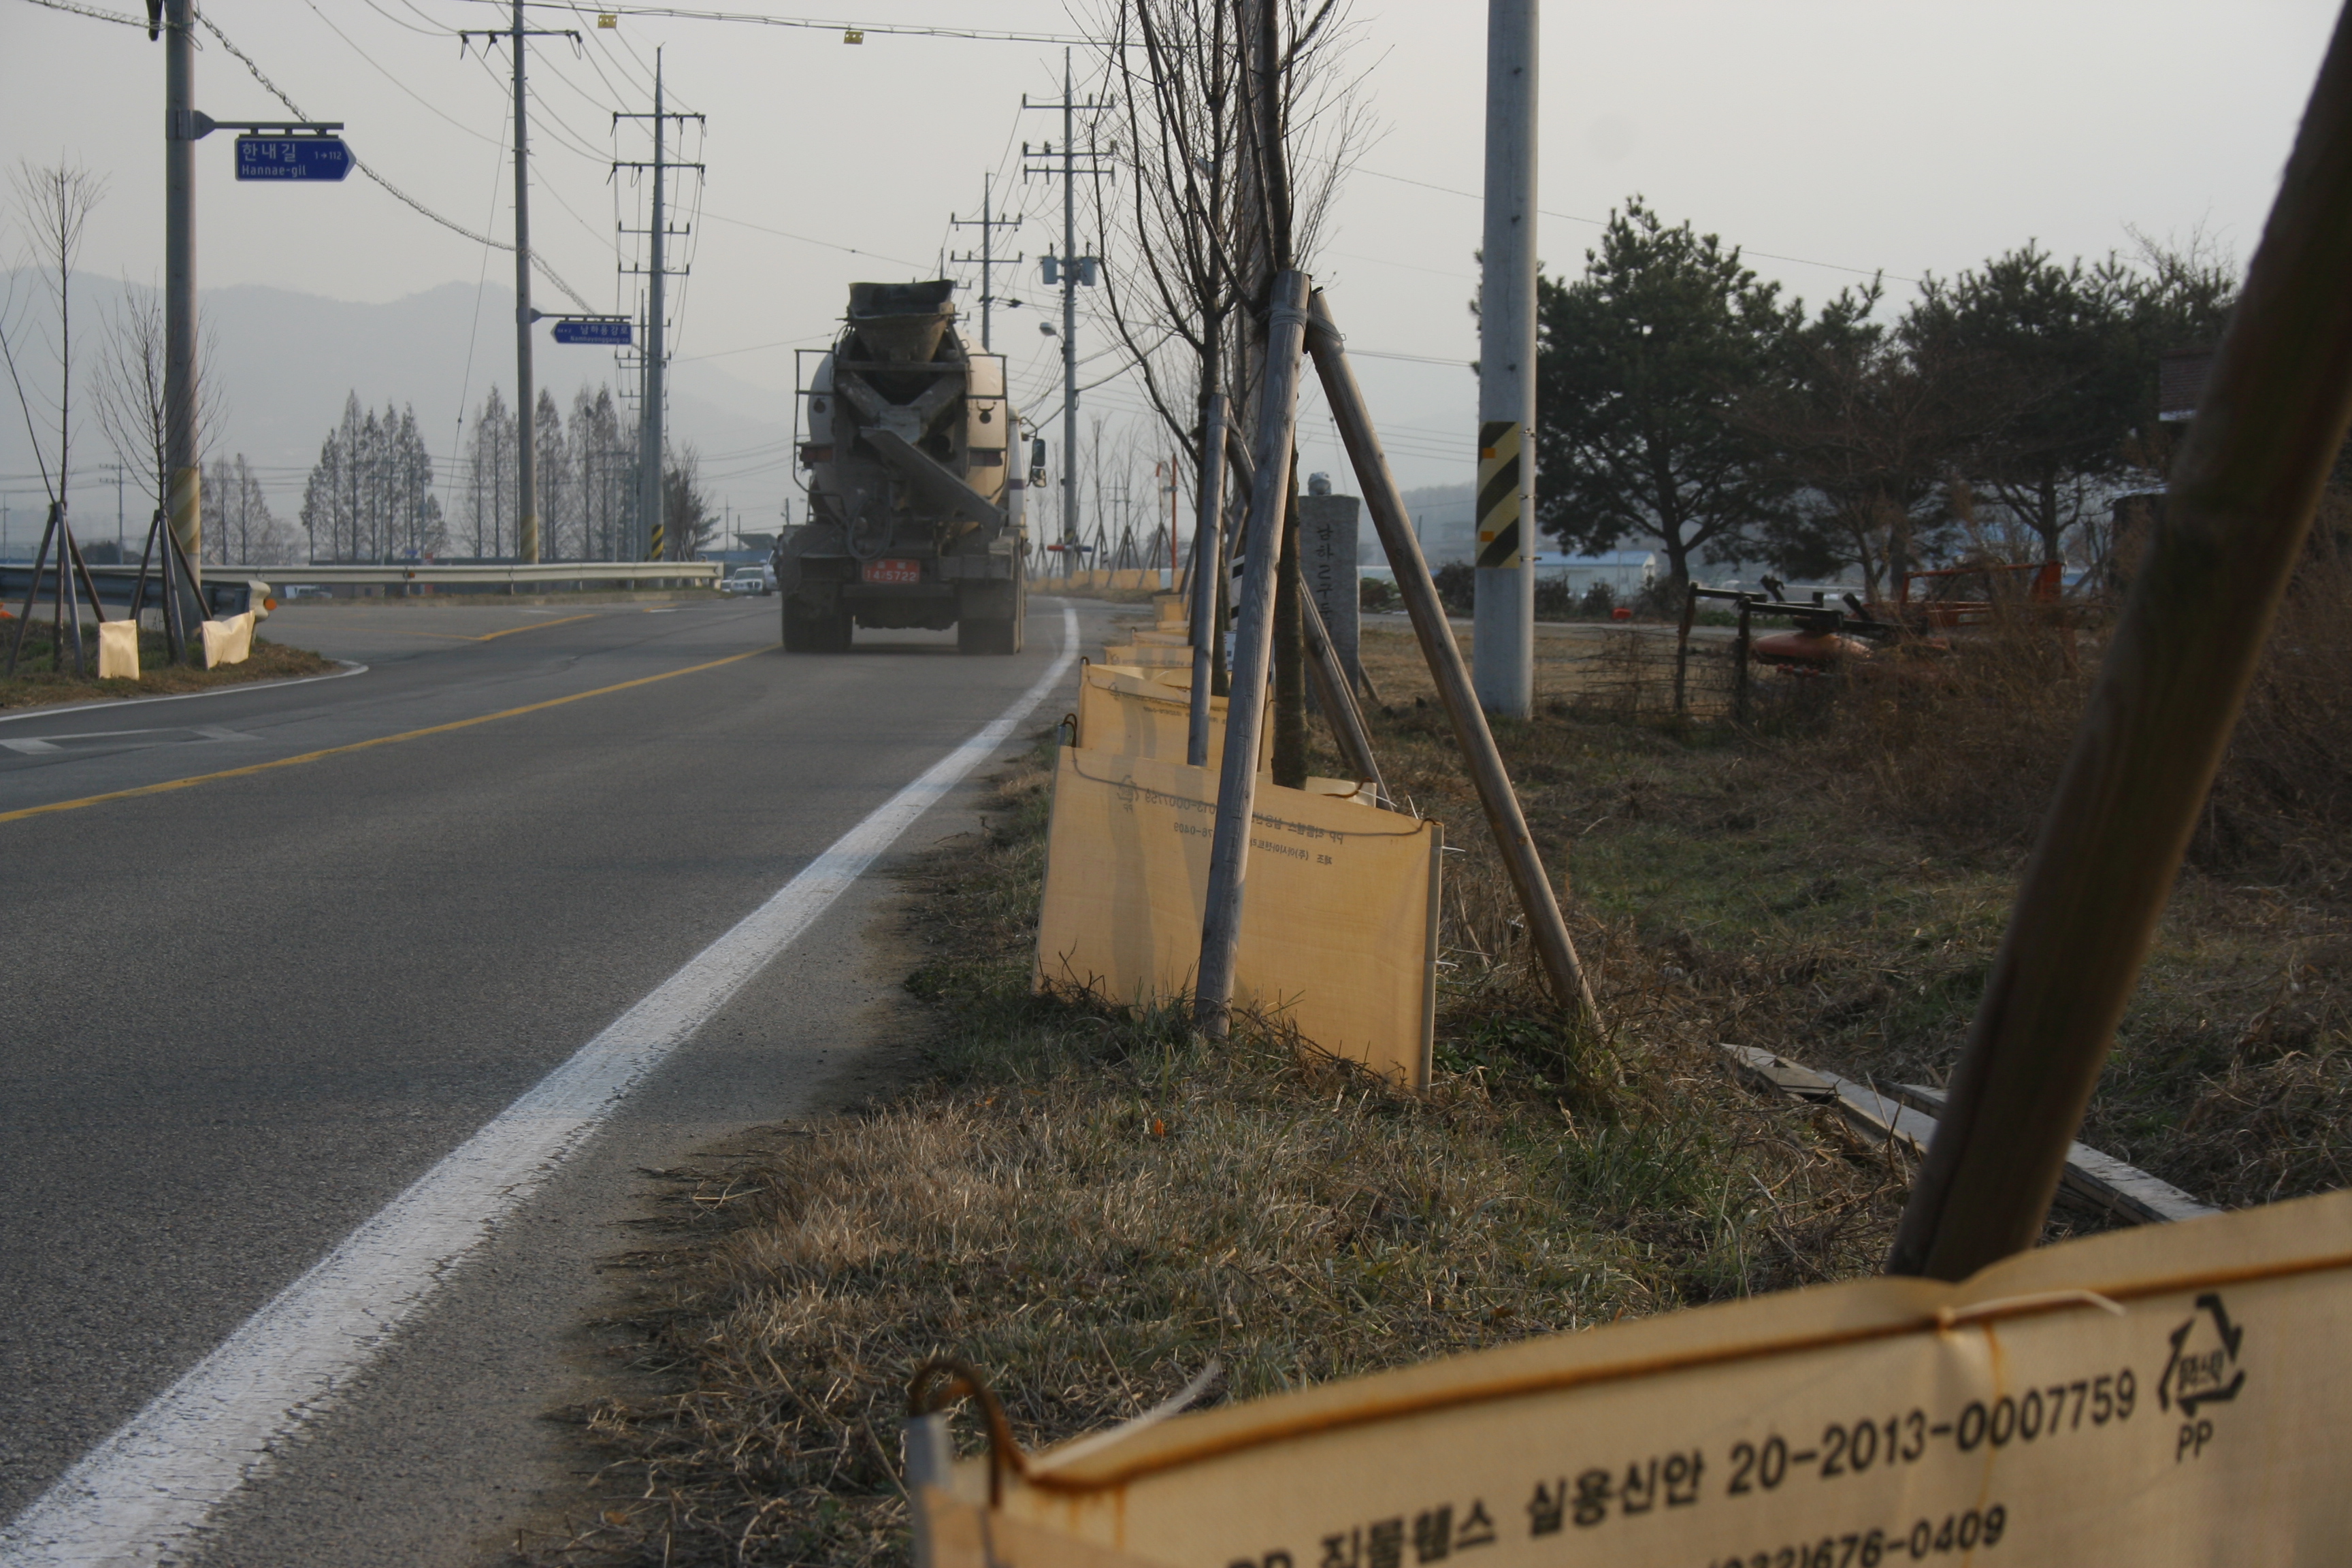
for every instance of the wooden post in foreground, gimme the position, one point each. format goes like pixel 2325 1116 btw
pixel 1329 679
pixel 1277 421
pixel 1328 675
pixel 1561 967
pixel 1682 648
pixel 1208 572
pixel 2242 493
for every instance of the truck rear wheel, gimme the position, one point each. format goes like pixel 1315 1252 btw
pixel 975 636
pixel 806 633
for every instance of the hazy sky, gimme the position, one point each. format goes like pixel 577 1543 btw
pixel 1907 135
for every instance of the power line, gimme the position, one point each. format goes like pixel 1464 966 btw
pixel 676 13
pixel 805 239
pixel 92 12
pixel 450 224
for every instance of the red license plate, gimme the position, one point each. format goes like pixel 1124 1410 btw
pixel 892 571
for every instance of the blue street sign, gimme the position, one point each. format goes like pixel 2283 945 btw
pixel 571 332
pixel 292 158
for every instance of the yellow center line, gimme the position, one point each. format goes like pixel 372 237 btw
pixel 170 785
pixel 485 636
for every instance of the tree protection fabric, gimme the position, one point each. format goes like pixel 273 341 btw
pixel 1339 913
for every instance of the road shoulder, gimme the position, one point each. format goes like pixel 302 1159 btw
pixel 460 1439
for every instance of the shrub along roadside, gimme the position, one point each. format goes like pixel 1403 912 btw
pixel 1092 1204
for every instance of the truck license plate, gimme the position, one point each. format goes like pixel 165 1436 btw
pixel 892 571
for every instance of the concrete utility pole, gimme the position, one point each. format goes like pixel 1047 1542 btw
pixel 649 408
pixel 1073 269
pixel 526 408
pixel 988 226
pixel 650 436
pixel 1502 645
pixel 526 396
pixel 184 502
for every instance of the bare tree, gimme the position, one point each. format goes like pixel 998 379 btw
pixel 52 207
pixel 132 410
pixel 239 524
pixel 1228 166
pixel 687 522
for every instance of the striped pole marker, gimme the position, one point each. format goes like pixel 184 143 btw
pixel 1500 441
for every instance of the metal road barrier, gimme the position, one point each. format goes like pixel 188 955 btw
pixel 229 590
pixel 585 574
pixel 233 590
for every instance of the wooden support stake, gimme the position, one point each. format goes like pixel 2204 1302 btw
pixel 1277 421
pixel 1348 732
pixel 2243 489
pixel 1288 759
pixel 1208 570
pixel 32 591
pixel 1739 667
pixel 190 582
pixel 1330 680
pixel 82 575
pixel 1682 648
pixel 1561 967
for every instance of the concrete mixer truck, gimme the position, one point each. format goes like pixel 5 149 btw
pixel 914 491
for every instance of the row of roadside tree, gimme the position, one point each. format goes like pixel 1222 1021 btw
pixel 1686 405
pixel 376 492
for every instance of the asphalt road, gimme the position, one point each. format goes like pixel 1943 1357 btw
pixel 243 1015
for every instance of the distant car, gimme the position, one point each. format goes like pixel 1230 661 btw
pixel 761 580
pixel 306 591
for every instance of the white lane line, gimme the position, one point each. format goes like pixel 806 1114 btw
pixel 144 1493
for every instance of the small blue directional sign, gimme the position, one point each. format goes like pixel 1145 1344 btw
pixel 592 332
pixel 292 158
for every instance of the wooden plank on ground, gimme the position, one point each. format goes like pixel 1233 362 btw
pixel 1907 1115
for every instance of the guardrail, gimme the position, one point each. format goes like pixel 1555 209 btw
pixel 677 573
pixel 229 590
pixel 233 590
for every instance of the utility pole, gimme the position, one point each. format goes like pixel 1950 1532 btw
pixel 1502 639
pixel 648 545
pixel 526 410
pixel 988 224
pixel 1071 270
pixel 185 494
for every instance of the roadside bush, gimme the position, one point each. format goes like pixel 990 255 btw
pixel 1969 743
pixel 2283 801
pixel 1376 594
pixel 1457 586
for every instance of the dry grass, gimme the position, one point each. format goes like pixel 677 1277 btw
pixel 1092 1207
pixel 1092 1204
pixel 1833 888
pixel 38 683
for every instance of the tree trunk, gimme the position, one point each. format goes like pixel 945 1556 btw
pixel 1289 652
pixel 1677 561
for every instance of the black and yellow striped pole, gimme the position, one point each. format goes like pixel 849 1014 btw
pixel 1502 642
pixel 1498 493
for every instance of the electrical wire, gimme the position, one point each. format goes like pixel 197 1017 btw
pixel 888 29
pixel 378 66
pixel 805 239
pixel 94 13
pixel 537 260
